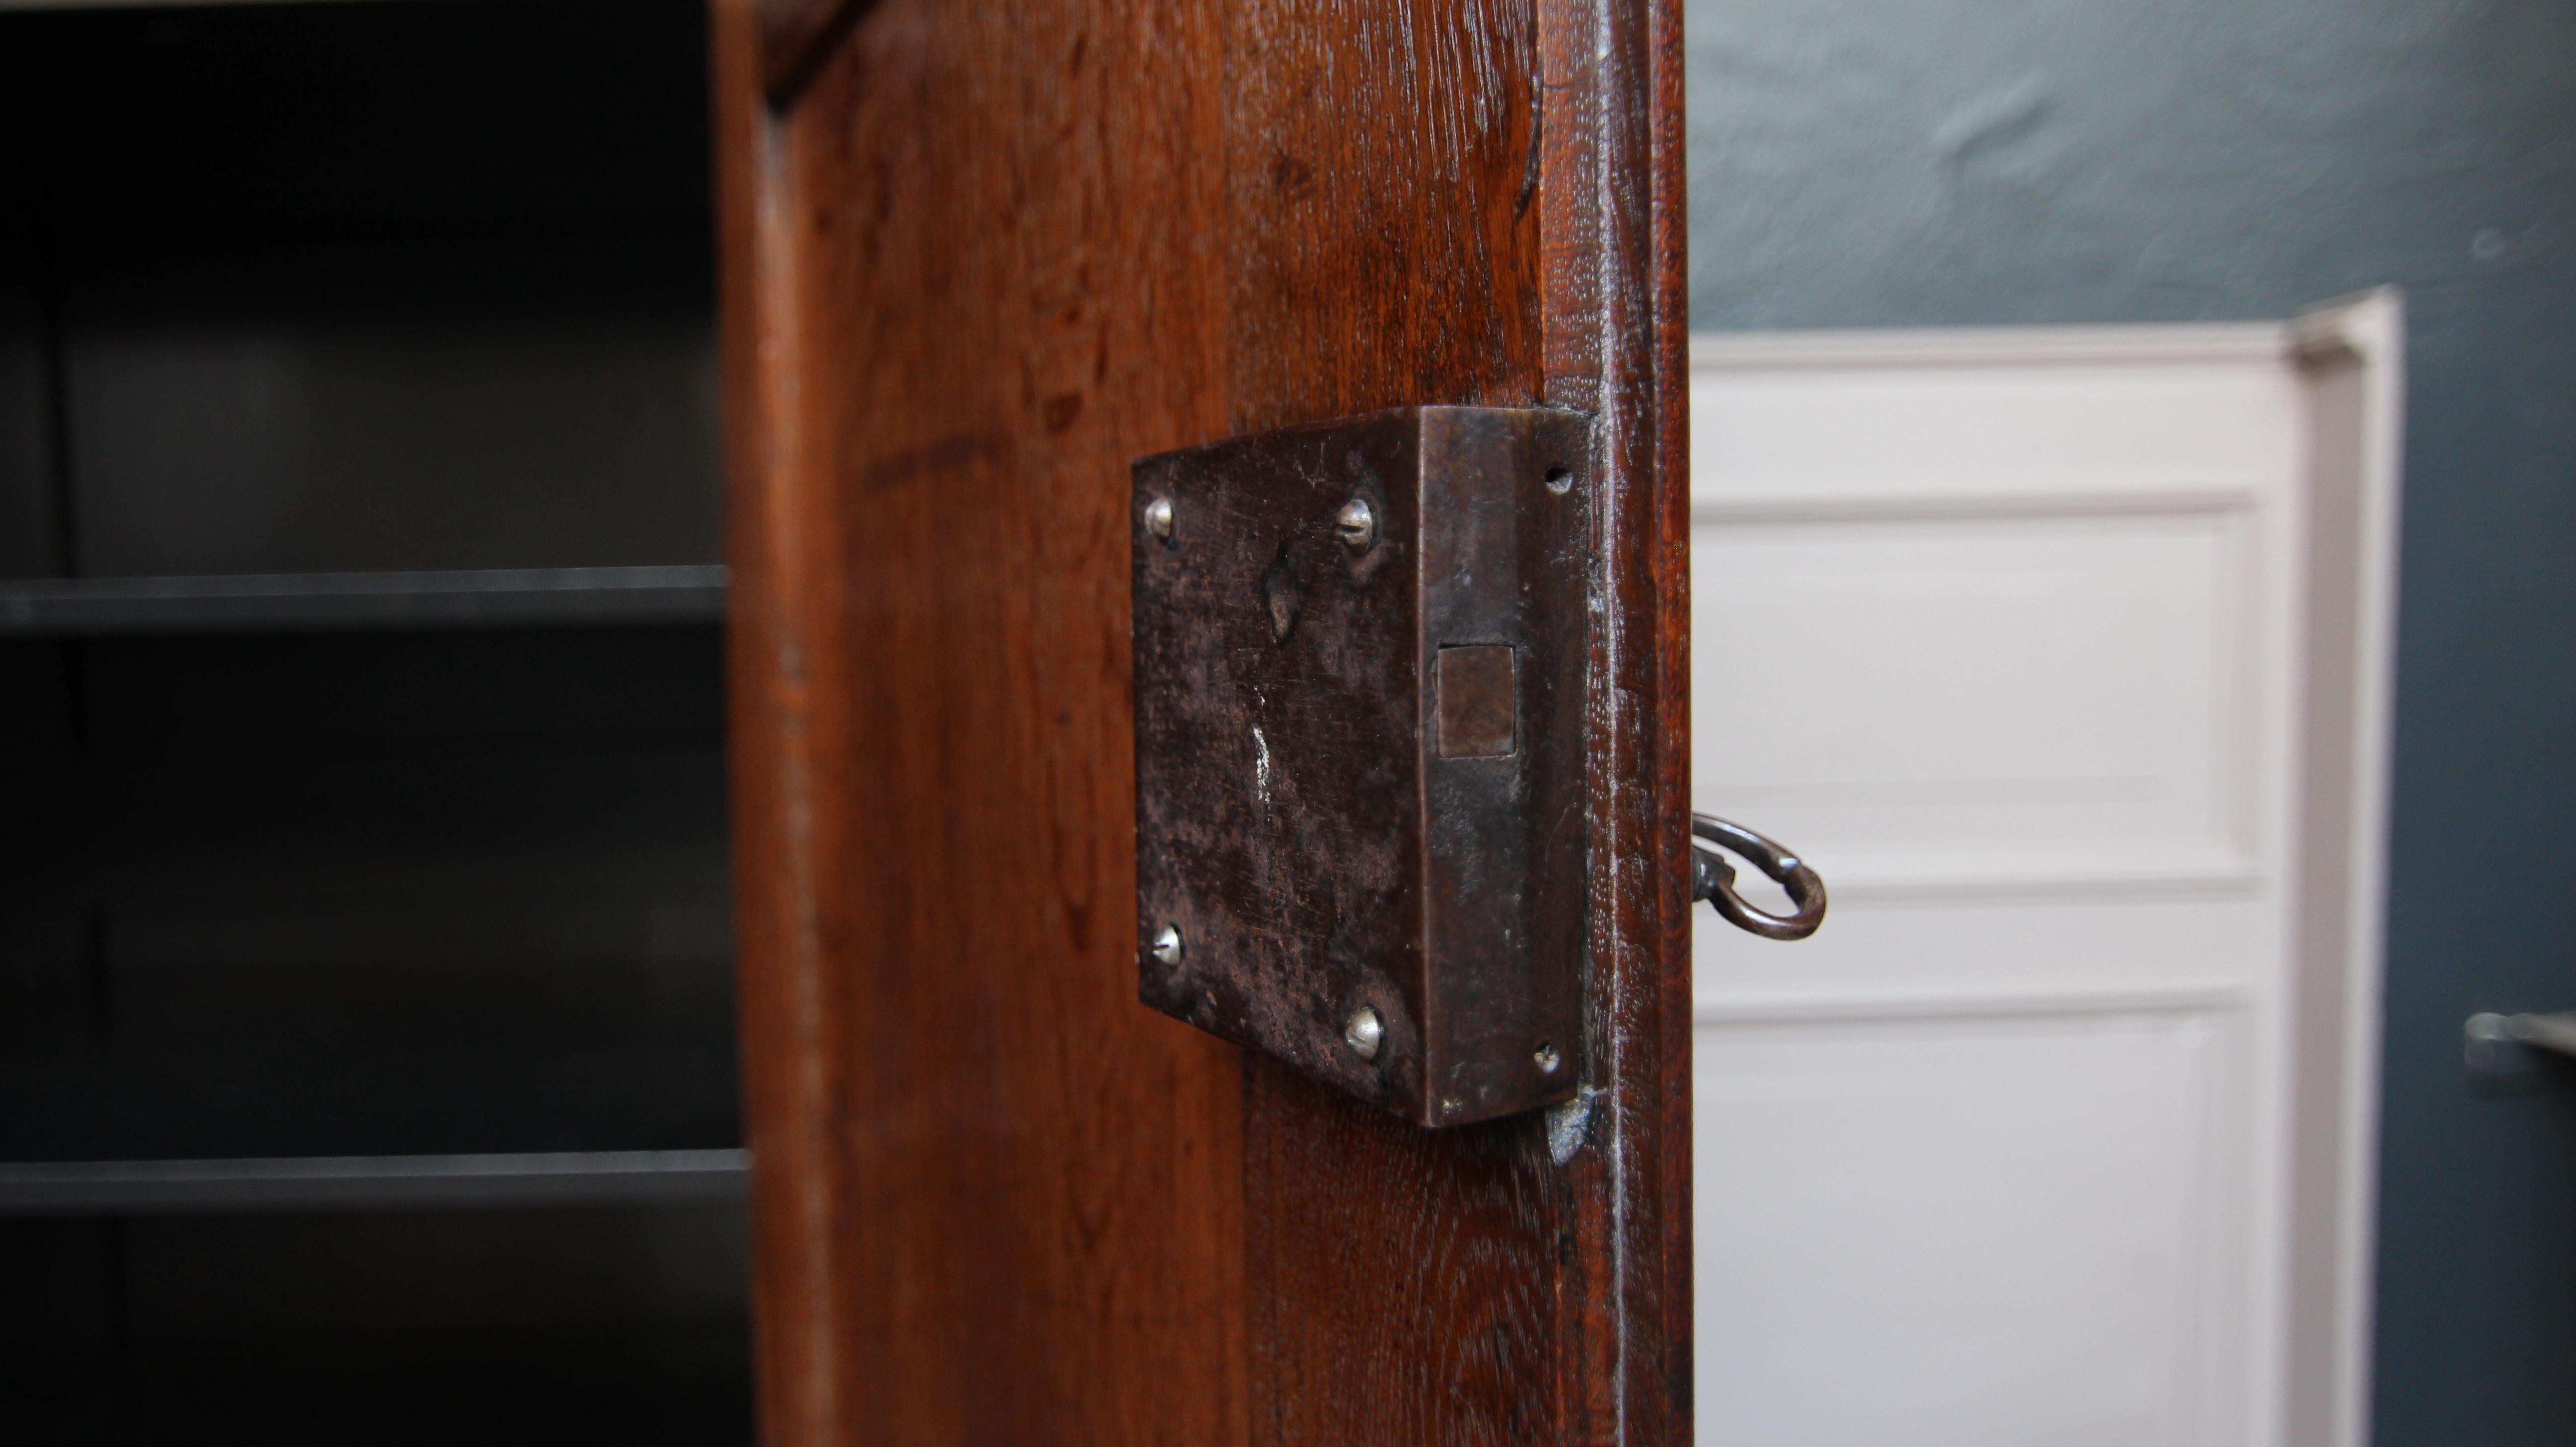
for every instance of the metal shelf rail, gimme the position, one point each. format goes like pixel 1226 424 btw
pixel 483 598
pixel 542 1178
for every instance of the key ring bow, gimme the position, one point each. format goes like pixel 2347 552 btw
pixel 1713 879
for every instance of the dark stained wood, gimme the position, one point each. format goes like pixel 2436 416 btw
pixel 977 258
pixel 795 36
pixel 996 1199
pixel 785 1110
pixel 1617 324
pixel 1659 593
pixel 1382 248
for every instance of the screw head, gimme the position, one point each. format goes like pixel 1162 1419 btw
pixel 1158 519
pixel 1365 1033
pixel 1357 523
pixel 1167 945
pixel 1547 1058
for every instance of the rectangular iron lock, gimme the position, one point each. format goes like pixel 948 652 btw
pixel 1360 656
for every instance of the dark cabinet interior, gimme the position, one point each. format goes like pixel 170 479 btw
pixel 367 1059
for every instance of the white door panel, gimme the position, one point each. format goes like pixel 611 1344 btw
pixel 2036 1191
pixel 2019 638
pixel 2119 639
pixel 1825 421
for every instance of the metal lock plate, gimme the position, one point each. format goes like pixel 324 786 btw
pixel 1360 745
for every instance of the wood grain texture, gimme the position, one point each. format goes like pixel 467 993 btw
pixel 997 1201
pixel 1383 250
pixel 976 260
pixel 1616 323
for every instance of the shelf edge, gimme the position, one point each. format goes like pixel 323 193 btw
pixel 491 597
pixel 533 1178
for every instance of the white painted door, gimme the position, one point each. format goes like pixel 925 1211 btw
pixel 2062 655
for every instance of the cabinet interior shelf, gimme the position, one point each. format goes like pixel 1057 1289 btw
pixel 531 1178
pixel 483 598
pixel 9 5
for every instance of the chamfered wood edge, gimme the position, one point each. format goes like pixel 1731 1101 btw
pixel 1619 346
pixel 1672 468
pixel 1617 334
pixel 785 1087
pixel 796 37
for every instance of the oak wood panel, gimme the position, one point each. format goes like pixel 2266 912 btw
pixel 998 1201
pixel 1382 246
pixel 976 260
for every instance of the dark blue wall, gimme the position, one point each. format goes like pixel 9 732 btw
pixel 1855 163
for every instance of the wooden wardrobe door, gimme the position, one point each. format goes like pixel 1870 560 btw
pixel 977 258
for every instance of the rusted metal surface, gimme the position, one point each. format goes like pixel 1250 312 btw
pixel 1713 879
pixel 1479 691
pixel 1360 769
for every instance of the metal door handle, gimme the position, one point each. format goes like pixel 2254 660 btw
pixel 1713 879
pixel 2549 1032
pixel 2499 1046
